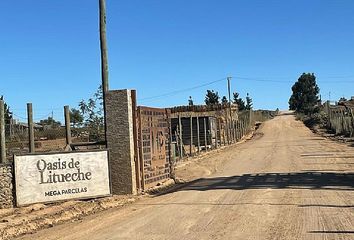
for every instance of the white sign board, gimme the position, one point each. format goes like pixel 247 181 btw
pixel 61 176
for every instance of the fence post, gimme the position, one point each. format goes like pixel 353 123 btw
pixel 30 128
pixel 191 143
pixel 238 130
pixel 2 132
pixel 67 125
pixel 218 133
pixel 235 132
pixel 198 134
pixel 205 134
pixel 180 137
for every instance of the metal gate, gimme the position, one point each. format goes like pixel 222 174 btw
pixel 153 146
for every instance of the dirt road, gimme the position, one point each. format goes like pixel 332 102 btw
pixel 286 183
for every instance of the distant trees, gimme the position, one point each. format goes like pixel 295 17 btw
pixel 8 113
pixel 211 98
pixel 304 98
pixel 249 104
pixel 76 117
pixel 224 100
pixel 342 99
pixel 239 101
pixel 50 121
pixel 190 101
pixel 90 114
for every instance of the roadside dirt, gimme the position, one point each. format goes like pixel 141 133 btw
pixel 285 183
pixel 27 220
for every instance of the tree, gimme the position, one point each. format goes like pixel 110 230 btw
pixel 76 117
pixel 224 100
pixel 239 101
pixel 190 101
pixel 8 113
pixel 342 99
pixel 304 98
pixel 249 104
pixel 92 112
pixel 212 98
pixel 50 122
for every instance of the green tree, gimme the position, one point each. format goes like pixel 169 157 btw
pixel 211 98
pixel 76 117
pixel 342 99
pixel 224 100
pixel 50 122
pixel 304 98
pixel 239 101
pixel 92 112
pixel 249 104
pixel 190 101
pixel 8 113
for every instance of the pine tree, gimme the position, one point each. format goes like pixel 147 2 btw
pixel 249 104
pixel 304 98
pixel 190 101
pixel 239 101
pixel 8 113
pixel 224 100
pixel 211 98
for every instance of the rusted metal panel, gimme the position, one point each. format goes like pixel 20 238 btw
pixel 153 141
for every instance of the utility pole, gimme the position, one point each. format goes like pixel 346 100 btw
pixel 104 59
pixel 2 132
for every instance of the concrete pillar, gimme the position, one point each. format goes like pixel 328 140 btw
pixel 120 140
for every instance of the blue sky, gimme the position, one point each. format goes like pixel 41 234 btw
pixel 50 50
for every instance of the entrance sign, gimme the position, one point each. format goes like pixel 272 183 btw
pixel 61 176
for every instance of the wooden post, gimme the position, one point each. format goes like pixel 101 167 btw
pixel 227 130
pixel 219 133
pixel 2 132
pixel 180 137
pixel 104 59
pixel 216 134
pixel 30 128
pixel 67 125
pixel 223 134
pixel 198 135
pixel 205 134
pixel 191 143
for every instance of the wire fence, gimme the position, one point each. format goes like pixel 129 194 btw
pixel 26 136
pixel 341 120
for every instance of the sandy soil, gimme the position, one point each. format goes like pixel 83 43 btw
pixel 286 183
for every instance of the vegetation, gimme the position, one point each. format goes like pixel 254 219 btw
pixel 190 101
pixel 76 118
pixel 50 121
pixel 212 98
pixel 304 98
pixel 224 100
pixel 90 115
pixel 8 113
pixel 239 101
pixel 249 104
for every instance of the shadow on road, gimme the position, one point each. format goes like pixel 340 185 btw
pixel 301 180
pixel 344 232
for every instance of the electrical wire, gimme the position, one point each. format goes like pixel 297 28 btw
pixel 183 90
pixel 241 78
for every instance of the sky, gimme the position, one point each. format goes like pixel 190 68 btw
pixel 170 50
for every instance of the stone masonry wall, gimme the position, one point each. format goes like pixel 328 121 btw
pixel 6 186
pixel 120 141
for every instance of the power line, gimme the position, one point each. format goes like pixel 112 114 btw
pixel 183 90
pixel 243 78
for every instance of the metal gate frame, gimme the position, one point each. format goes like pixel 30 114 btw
pixel 153 146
